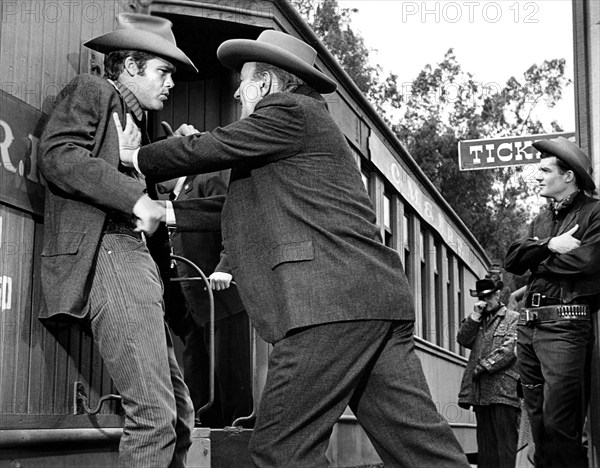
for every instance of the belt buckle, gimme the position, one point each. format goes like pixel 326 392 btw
pixel 536 299
pixel 531 316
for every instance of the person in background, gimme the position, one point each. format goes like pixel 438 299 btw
pixel 317 282
pixel 489 383
pixel 562 252
pixel 233 395
pixel 525 445
pixel 95 264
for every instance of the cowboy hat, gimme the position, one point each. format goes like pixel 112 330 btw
pixel 486 286
pixel 146 33
pixel 572 155
pixel 279 49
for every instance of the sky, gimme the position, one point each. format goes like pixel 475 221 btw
pixel 492 40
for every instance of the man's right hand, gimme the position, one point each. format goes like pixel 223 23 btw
pixel 478 309
pixel 183 130
pixel 130 139
pixel 149 213
pixel 565 242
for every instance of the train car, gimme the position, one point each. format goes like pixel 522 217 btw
pixel 47 373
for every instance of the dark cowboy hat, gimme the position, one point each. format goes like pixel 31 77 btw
pixel 572 155
pixel 279 49
pixel 486 286
pixel 146 33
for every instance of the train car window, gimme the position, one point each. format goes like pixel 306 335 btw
pixel 439 293
pixel 367 181
pixel 388 207
pixel 461 299
pixel 450 287
pixel 387 212
pixel 424 287
pixel 406 243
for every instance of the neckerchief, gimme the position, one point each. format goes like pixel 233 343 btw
pixel 557 206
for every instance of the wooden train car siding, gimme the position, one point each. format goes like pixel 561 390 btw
pixel 40 51
pixel 16 272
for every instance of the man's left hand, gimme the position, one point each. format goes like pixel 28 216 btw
pixel 220 280
pixel 478 371
pixel 130 139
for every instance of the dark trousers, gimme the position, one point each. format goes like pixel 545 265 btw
pixel 370 365
pixel 233 386
pixel 497 435
pixel 552 360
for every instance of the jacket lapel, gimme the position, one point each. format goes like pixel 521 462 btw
pixel 569 221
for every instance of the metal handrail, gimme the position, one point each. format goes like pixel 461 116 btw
pixel 80 400
pixel 211 348
pixel 253 353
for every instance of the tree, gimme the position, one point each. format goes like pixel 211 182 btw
pixel 332 25
pixel 446 105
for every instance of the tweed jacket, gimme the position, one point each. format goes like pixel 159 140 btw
pixel 492 346
pixel 578 272
pixel 79 158
pixel 204 249
pixel 298 226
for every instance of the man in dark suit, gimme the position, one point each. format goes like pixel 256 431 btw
pixel 95 264
pixel 300 233
pixel 233 395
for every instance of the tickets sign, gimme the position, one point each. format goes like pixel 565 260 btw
pixel 501 152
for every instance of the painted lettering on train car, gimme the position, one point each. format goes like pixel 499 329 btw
pixel 20 127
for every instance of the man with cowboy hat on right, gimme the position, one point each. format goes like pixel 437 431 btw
pixel 489 382
pixel 300 233
pixel 562 252
pixel 96 266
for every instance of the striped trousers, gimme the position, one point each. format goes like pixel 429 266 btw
pixel 127 321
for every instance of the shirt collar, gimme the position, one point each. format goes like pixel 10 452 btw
pixel 132 102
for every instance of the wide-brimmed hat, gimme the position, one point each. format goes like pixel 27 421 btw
pixel 572 155
pixel 151 34
pixel 279 49
pixel 486 286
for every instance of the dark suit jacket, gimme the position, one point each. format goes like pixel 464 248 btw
pixel 204 249
pixel 298 226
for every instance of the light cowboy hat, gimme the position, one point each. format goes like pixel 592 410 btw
pixel 486 286
pixel 279 49
pixel 572 155
pixel 146 33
